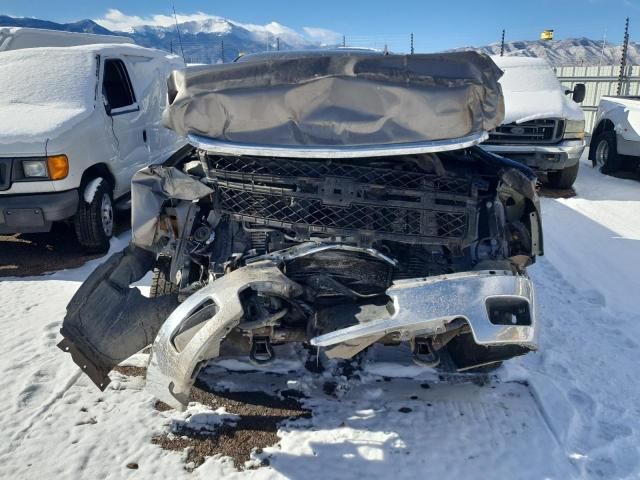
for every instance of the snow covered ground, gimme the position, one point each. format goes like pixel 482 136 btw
pixel 571 410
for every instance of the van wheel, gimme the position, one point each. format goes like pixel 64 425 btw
pixel 94 221
pixel 606 155
pixel 565 178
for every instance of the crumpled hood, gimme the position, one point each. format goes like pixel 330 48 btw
pixel 26 123
pixel 338 101
pixel 525 106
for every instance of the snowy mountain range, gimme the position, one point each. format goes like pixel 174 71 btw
pixel 572 51
pixel 211 39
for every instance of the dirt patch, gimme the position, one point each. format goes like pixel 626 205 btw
pixel 27 255
pixel 260 414
pixel 131 371
pixel 556 192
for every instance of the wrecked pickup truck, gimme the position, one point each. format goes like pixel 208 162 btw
pixel 335 201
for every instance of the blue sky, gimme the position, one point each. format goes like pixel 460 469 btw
pixel 436 25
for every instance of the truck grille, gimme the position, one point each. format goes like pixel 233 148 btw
pixel 339 199
pixel 535 131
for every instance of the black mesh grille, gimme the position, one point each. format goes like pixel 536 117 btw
pixel 334 199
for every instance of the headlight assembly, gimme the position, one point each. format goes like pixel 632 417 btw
pixel 35 169
pixel 573 129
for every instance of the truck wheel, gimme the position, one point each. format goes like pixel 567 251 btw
pixel 161 285
pixel 564 178
pixel 94 221
pixel 606 153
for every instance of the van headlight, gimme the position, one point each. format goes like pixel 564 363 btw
pixel 35 168
pixel 573 129
pixel 53 167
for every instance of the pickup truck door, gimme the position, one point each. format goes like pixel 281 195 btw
pixel 126 123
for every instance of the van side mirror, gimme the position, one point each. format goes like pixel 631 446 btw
pixel 579 91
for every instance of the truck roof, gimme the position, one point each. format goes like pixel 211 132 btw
pixel 17 38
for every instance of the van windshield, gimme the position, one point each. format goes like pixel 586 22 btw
pixel 60 77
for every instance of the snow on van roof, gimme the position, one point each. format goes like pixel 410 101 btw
pixel 44 89
pixel 14 38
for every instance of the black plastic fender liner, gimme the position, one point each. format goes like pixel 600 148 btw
pixel 107 321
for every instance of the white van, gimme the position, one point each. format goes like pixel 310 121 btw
pixel 543 127
pixel 75 124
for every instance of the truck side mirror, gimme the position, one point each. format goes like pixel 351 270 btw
pixel 579 91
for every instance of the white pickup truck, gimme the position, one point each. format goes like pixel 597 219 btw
pixel 616 138
pixel 543 126
pixel 75 124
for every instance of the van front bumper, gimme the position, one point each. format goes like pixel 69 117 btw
pixel 35 213
pixel 544 158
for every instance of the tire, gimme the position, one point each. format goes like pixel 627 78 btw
pixel 94 222
pixel 161 285
pixel 606 154
pixel 565 178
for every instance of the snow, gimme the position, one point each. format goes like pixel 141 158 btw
pixel 91 189
pixel 569 411
pixel 44 90
pixel 532 91
pixel 13 38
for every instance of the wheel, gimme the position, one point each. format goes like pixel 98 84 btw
pixel 94 221
pixel 563 178
pixel 606 153
pixel 161 285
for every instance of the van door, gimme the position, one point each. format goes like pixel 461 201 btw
pixel 126 122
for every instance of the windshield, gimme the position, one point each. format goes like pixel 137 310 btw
pixel 48 76
pixel 528 78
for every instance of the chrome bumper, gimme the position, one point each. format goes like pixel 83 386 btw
pixel 183 344
pixel 425 306
pixel 542 157
pixel 498 306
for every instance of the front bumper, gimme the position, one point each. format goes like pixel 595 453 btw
pixel 543 158
pixel 498 306
pixel 35 213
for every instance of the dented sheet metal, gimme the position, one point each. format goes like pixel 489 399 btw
pixel 334 101
pixel 150 188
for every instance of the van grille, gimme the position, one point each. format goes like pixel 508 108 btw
pixel 535 131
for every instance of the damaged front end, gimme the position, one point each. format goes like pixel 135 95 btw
pixel 434 255
pixel 335 249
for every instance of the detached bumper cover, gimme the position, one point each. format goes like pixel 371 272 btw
pixel 542 157
pixel 498 306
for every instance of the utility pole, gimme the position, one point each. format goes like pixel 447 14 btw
pixel 344 41
pixel 604 44
pixel 222 50
pixel 502 44
pixel 412 50
pixel 278 44
pixel 623 60
pixel 171 46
